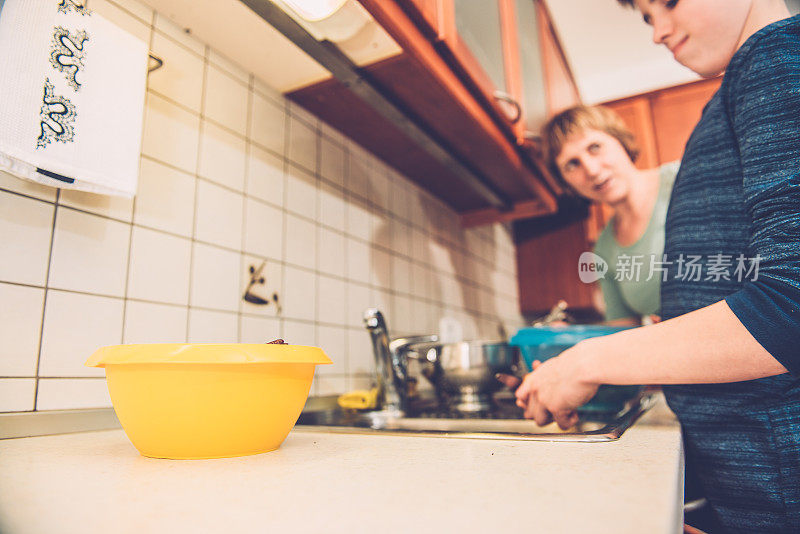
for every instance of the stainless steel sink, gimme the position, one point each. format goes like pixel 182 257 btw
pixel 506 422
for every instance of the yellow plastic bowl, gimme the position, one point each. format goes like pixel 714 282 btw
pixel 192 401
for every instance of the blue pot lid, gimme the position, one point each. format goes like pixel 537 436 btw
pixel 561 335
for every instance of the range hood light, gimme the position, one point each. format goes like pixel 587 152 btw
pixel 334 20
pixel 315 10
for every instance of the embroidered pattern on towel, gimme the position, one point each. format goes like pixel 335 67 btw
pixel 78 6
pixel 57 117
pixel 67 54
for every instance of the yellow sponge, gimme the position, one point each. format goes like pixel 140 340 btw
pixel 359 400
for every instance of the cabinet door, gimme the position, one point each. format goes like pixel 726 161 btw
pixel 480 37
pixel 531 65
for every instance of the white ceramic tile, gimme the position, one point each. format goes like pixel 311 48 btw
pixel 260 329
pixel 165 199
pixel 332 252
pixel 180 78
pixel 332 207
pixel 402 237
pixel 403 316
pixel 299 294
pixel 399 198
pixel 124 19
pixel 332 133
pixel 115 207
pixel 268 124
pixel 302 193
pixel 20 325
pixel 379 186
pixel 89 253
pixel 332 300
pixel 301 242
pixel 17 394
pixel 213 327
pixel 171 134
pixel 265 176
pixel 226 100
pixel 9 182
pixel 136 8
pixel 303 114
pixel 159 267
pixel 383 300
pixel 75 326
pixel 267 90
pixel 359 353
pixel 219 215
pixel 263 229
pixel 358 170
pixel 175 32
pixel 419 280
pixel 272 274
pixel 381 230
pixel 359 219
pixel 329 385
pixel 25 229
pixel 419 246
pixel 359 257
pixel 215 278
pixel 228 66
pixel 332 161
pixel 363 382
pixel 381 265
pixel 299 333
pixel 401 275
pixel 154 323
pixel 416 211
pixel 222 157
pixel 302 144
pixel 72 394
pixel 359 299
pixel 333 340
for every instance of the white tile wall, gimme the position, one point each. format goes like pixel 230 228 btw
pixel 75 325
pixel 231 176
pixel 20 327
pixel 90 253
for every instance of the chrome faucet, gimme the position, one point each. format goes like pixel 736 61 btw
pixel 391 362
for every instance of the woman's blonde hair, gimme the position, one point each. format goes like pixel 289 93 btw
pixel 576 119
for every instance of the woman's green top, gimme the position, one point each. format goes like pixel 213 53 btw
pixel 632 285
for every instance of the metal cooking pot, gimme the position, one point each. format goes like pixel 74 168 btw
pixel 464 373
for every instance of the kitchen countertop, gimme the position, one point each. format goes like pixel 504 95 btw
pixel 96 482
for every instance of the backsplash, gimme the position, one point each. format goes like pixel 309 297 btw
pixel 232 176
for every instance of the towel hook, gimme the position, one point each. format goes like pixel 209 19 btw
pixel 158 63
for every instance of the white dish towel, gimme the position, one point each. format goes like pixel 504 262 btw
pixel 72 90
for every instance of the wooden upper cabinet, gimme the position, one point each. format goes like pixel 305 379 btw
pixel 427 14
pixel 459 59
pixel 509 53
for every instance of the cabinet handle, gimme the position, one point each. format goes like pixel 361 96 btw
pixel 505 97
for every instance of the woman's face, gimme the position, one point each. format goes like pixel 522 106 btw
pixel 596 165
pixel 701 34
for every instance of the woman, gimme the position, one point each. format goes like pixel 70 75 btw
pixel 592 151
pixel 728 345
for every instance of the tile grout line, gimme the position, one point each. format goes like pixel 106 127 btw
pixel 193 246
pixel 133 210
pixel 44 301
pixel 242 240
